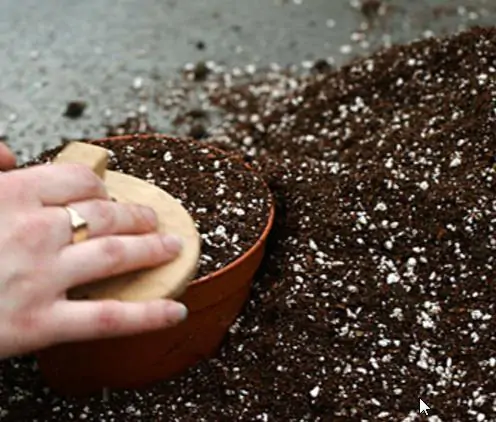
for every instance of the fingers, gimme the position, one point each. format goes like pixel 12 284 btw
pixel 49 228
pixel 105 257
pixel 82 320
pixel 106 218
pixel 56 184
pixel 7 158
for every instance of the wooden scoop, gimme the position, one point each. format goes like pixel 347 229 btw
pixel 166 281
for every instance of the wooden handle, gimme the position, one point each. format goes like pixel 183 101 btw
pixel 93 156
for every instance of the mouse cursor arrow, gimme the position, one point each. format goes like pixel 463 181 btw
pixel 423 408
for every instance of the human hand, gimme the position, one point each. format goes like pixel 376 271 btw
pixel 39 263
pixel 7 159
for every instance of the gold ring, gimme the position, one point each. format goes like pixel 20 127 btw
pixel 79 226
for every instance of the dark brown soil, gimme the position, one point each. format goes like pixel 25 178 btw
pixel 132 125
pixel 229 202
pixel 75 109
pixel 198 131
pixel 370 8
pixel 379 284
pixel 201 71
pixel 200 45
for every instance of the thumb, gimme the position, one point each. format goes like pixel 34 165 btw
pixel 7 158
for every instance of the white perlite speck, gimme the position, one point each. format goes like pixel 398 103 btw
pixel 476 314
pixel 315 391
pixel 425 320
pixel 381 206
pixel 455 162
pixel 424 185
pixel 397 313
pixel 239 212
pixel 313 245
pixel 220 231
pixel 388 245
pixel 138 83
pixel 392 278
pixel 167 156
pixel 330 23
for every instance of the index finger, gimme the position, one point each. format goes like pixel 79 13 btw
pixel 58 184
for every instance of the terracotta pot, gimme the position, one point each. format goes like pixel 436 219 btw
pixel 214 302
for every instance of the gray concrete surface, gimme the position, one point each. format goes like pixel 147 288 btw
pixel 55 51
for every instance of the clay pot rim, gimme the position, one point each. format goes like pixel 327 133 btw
pixel 270 220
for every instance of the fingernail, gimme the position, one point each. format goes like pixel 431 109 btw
pixel 150 216
pixel 172 243
pixel 180 311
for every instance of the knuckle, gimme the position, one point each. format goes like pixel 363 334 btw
pixel 139 216
pixel 88 179
pixel 31 230
pixel 114 253
pixel 106 213
pixel 28 318
pixel 27 321
pixel 109 318
pixel 156 248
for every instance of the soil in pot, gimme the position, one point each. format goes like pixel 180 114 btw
pixel 379 284
pixel 227 201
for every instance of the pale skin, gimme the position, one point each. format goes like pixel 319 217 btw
pixel 38 262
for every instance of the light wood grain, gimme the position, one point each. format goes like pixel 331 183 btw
pixel 92 156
